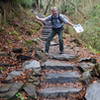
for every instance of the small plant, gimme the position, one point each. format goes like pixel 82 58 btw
pixel 2 29
pixel 13 33
pixel 20 96
pixel 2 69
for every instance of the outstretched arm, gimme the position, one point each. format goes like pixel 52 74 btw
pixel 41 19
pixel 70 23
pixel 66 20
pixel 48 18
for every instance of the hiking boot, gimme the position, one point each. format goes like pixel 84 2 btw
pixel 46 53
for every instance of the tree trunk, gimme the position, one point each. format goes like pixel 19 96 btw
pixel 38 5
pixel 47 7
pixel 5 11
pixel 54 2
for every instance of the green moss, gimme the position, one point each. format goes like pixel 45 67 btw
pixel 92 49
pixel 36 26
pixel 2 68
pixel 13 32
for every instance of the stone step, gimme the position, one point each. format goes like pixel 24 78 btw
pixel 11 92
pixel 63 75
pixel 47 27
pixel 5 88
pixel 66 57
pixel 43 38
pixel 46 30
pixel 45 33
pixel 55 92
pixel 56 65
pixel 48 23
pixel 62 80
pixel 55 44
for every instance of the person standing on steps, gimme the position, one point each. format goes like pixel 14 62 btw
pixel 57 20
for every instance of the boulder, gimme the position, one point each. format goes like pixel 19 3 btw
pixel 96 70
pixel 86 66
pixel 93 92
pixel 89 59
pixel 33 64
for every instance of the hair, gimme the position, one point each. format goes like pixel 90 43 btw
pixel 54 8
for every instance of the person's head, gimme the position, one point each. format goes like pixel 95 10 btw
pixel 54 11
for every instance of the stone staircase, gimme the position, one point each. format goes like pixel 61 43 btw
pixel 47 29
pixel 61 78
pixel 62 81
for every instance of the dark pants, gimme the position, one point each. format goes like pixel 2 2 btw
pixel 60 36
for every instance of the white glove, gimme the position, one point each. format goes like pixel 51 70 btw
pixel 78 28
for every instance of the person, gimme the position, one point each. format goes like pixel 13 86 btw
pixel 57 20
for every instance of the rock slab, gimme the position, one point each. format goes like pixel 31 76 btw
pixel 15 87
pixel 56 65
pixel 55 92
pixel 65 74
pixel 30 90
pixel 63 56
pixel 33 64
pixel 93 92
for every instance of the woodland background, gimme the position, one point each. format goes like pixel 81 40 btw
pixel 85 12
